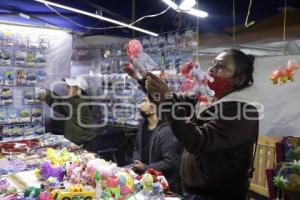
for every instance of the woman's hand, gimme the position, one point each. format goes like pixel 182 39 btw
pixel 157 88
pixel 128 68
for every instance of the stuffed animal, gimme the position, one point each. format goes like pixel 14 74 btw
pixel 47 170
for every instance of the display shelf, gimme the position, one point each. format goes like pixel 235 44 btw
pixel 23 64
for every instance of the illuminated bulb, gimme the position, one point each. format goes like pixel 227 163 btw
pixel 187 4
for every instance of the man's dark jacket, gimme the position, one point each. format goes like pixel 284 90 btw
pixel 164 151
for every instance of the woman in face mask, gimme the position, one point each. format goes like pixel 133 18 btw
pixel 218 143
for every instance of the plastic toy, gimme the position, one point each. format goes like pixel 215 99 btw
pixel 60 157
pixel 99 188
pixel 6 189
pixel 125 190
pixel 46 170
pixel 285 73
pixel 158 177
pixel 147 181
pixel 32 192
pixel 44 196
pixel 73 192
pixel 113 186
pixel 52 184
pixel 76 176
pixel 157 192
pixel 140 60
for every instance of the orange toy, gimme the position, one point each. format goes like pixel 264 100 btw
pixel 285 73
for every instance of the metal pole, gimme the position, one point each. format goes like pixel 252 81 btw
pixel 133 17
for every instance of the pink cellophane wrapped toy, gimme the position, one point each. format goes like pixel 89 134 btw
pixel 140 60
pixel 196 81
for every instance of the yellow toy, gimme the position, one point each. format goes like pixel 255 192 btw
pixel 60 157
pixel 74 192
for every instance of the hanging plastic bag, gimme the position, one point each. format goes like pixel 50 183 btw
pixel 140 60
pixel 196 81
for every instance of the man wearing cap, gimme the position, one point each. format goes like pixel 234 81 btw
pixel 75 131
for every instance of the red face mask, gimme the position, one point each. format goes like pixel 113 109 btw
pixel 220 85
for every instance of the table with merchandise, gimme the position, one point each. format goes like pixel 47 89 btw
pixel 52 168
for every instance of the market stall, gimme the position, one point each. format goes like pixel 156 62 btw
pixel 88 96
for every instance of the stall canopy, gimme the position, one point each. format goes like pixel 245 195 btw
pixel 220 15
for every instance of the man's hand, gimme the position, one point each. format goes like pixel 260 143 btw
pixel 137 165
pixel 157 88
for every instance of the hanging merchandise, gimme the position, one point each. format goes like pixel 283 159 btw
pixel 141 61
pixel 162 42
pixel 285 73
pixel 146 43
pixel 171 41
pixel 196 81
pixel 154 43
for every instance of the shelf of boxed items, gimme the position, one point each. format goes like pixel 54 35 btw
pixel 119 95
pixel 22 74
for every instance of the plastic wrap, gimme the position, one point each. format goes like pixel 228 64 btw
pixel 196 81
pixel 141 61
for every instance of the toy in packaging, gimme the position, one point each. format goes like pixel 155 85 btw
pixel 25 115
pixel 154 43
pixel 113 50
pixel 29 96
pixel 33 41
pixel 7 131
pixel 40 59
pixel 1 78
pixel 10 77
pixel 156 56
pixel 21 40
pixel 188 36
pixel 30 58
pixel 141 62
pixel 18 131
pixel 146 44
pixel 38 93
pixel 1 37
pixel 21 77
pixel 21 58
pixel 43 41
pixel 36 115
pixel 41 75
pixel 8 37
pixel 178 40
pixel 13 116
pixel 119 50
pixel 39 129
pixel 194 41
pixel 170 60
pixel 6 96
pixel 5 57
pixel 31 78
pixel 162 42
pixel 178 60
pixel 171 41
pixel 106 51
pixel 28 131
pixel 197 80
pixel 3 116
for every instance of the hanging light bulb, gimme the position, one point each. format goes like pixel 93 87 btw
pixel 187 4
